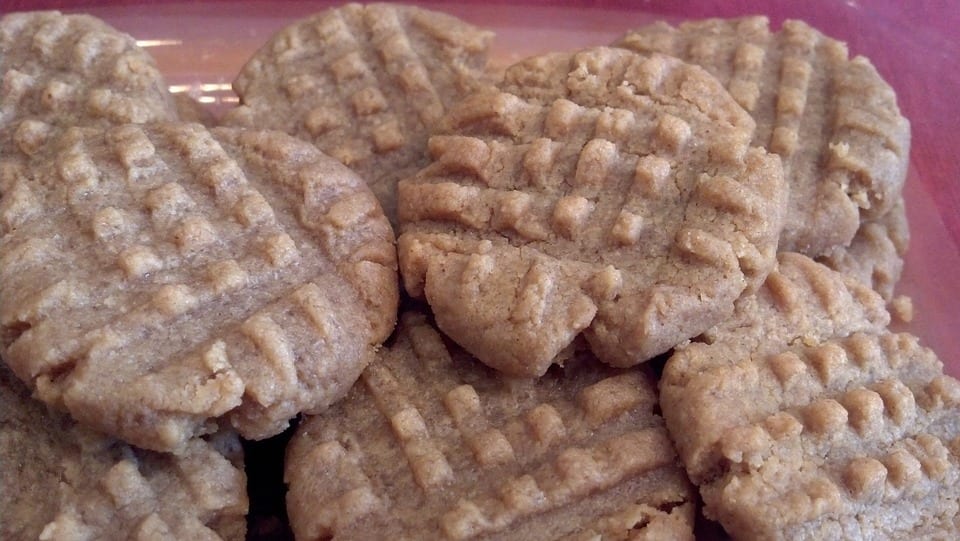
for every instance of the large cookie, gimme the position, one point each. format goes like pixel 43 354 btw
pixel 601 192
pixel 156 277
pixel 802 417
pixel 434 445
pixel 834 120
pixel 60 481
pixel 875 255
pixel 365 83
pixel 69 70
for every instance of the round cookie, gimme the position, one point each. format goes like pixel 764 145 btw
pixel 834 120
pixel 156 277
pixel 365 83
pixel 803 417
pixel 601 192
pixel 69 70
pixel 434 445
pixel 875 255
pixel 61 481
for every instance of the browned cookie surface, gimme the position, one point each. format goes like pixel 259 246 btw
pixel 60 481
pixel 434 445
pixel 832 118
pixel 601 192
pixel 802 417
pixel 71 70
pixel 365 83
pixel 156 277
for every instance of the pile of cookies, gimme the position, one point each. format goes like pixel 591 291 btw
pixel 592 295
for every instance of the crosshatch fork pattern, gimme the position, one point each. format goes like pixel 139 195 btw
pixel 830 407
pixel 430 429
pixel 833 119
pixel 618 190
pixel 191 266
pixel 365 83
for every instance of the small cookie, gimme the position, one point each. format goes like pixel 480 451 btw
pixel 875 256
pixel 365 83
pixel 802 417
pixel 834 120
pixel 69 70
pixel 155 277
pixel 60 481
pixel 601 192
pixel 433 445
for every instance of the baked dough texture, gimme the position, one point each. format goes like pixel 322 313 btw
pixel 603 193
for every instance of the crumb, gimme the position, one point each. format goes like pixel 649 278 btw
pixel 901 308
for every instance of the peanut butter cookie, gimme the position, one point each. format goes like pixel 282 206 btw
pixel 833 119
pixel 70 70
pixel 61 481
pixel 365 83
pixel 602 192
pixel 434 445
pixel 803 417
pixel 154 278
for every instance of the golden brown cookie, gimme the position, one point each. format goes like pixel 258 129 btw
pixel 365 83
pixel 69 70
pixel 833 119
pixel 802 417
pixel 60 481
pixel 156 277
pixel 602 192
pixel 434 445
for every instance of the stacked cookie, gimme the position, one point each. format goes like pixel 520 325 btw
pixel 68 80
pixel 161 283
pixel 719 200
pixel 430 443
pixel 833 121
